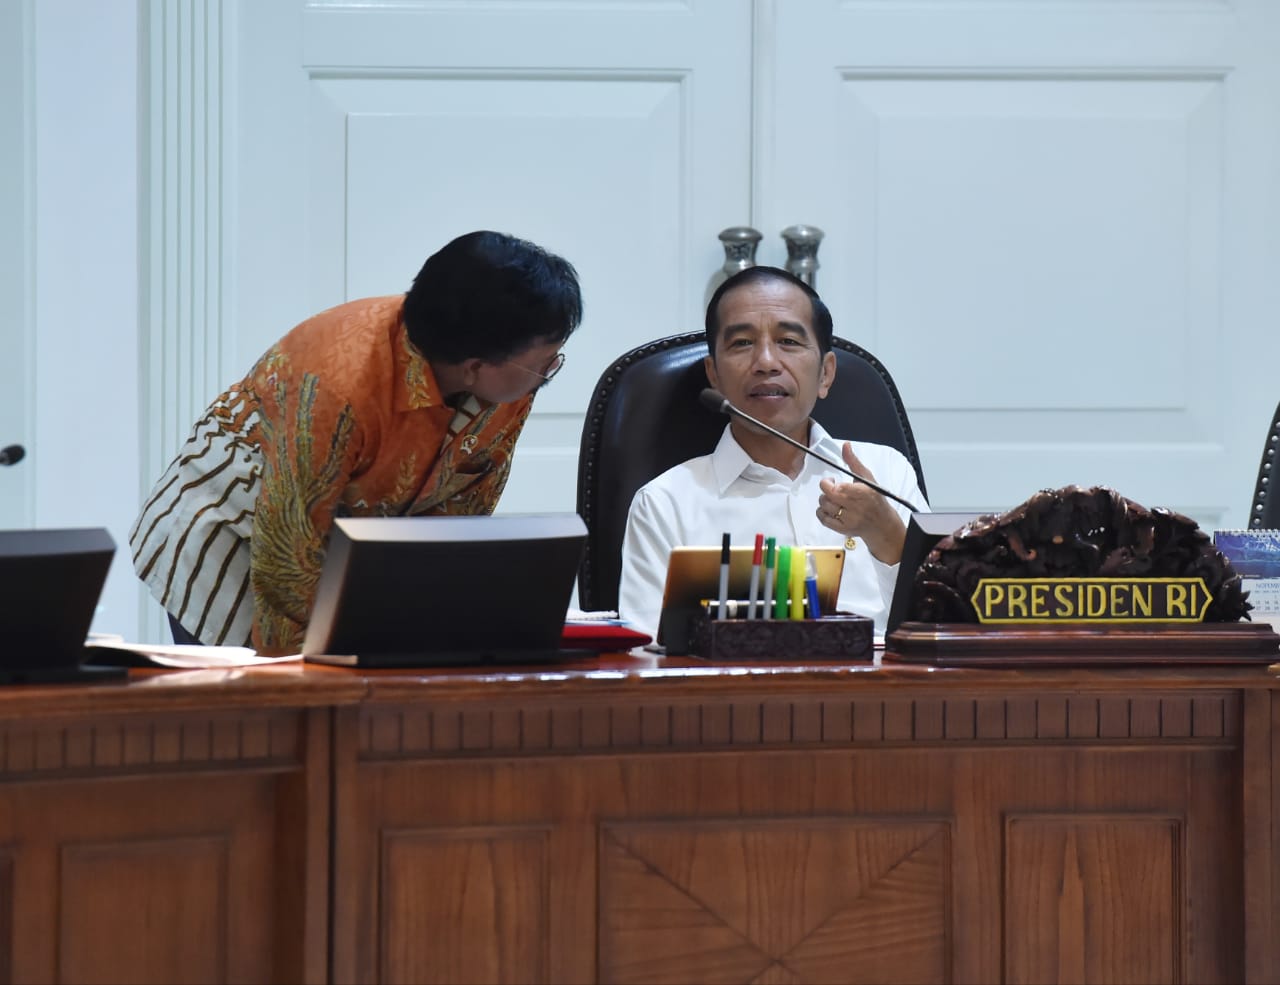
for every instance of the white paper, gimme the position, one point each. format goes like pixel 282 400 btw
pixel 184 655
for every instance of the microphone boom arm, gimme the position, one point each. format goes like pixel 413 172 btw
pixel 719 403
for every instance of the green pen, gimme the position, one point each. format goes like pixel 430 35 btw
pixel 783 583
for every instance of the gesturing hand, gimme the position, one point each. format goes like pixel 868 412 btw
pixel 855 510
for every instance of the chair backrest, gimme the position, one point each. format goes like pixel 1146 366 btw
pixel 645 417
pixel 1264 514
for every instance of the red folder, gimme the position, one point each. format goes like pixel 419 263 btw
pixel 605 636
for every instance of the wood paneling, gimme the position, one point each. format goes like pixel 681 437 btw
pixel 464 905
pixel 531 726
pixel 146 879
pixel 785 900
pixel 259 737
pixel 1099 899
pixel 6 917
pixel 163 845
pixel 624 822
pixel 723 825
pixel 676 829
pixel 1260 796
pixel 163 919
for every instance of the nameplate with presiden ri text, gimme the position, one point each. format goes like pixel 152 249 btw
pixel 1090 600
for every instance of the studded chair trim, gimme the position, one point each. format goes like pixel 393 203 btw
pixel 1265 512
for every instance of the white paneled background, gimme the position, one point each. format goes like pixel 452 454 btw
pixel 16 261
pixel 1056 222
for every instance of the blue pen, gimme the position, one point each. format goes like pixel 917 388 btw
pixel 811 585
pixel 722 612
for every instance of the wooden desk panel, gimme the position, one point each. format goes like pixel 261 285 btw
pixel 172 829
pixel 793 824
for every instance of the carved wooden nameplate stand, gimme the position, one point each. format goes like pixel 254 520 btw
pixel 1079 577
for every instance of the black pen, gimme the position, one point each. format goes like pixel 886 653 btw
pixel 722 611
pixel 770 559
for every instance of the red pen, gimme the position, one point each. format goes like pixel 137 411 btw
pixel 756 557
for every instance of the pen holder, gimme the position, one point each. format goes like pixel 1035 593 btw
pixel 841 636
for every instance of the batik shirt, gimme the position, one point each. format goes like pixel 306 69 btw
pixel 342 417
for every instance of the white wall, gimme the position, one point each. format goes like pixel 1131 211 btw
pixel 86 396
pixel 17 482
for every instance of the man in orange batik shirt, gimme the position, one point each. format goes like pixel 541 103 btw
pixel 391 406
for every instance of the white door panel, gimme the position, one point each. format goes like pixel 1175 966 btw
pixel 615 134
pixel 1036 216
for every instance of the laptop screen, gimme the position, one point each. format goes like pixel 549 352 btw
pixel 421 591
pixel 50 581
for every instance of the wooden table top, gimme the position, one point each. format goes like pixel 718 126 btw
pixel 301 685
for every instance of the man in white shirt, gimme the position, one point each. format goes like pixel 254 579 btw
pixel 769 339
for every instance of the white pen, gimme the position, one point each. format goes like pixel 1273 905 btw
pixel 754 595
pixel 770 560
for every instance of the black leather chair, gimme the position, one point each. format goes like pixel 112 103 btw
pixel 645 417
pixel 1264 514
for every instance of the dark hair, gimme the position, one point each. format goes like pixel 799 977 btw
pixel 822 328
pixel 487 295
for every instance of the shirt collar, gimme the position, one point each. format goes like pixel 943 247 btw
pixel 730 462
pixel 415 382
pixel 416 387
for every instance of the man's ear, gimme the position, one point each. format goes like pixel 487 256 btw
pixel 470 370
pixel 828 374
pixel 709 364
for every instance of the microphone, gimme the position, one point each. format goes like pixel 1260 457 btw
pixel 12 455
pixel 715 400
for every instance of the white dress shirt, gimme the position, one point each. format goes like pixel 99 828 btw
pixel 698 501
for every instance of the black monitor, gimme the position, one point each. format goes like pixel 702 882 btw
pixel 445 590
pixel 50 582
pixel 924 530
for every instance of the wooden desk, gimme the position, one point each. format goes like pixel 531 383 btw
pixel 172 829
pixel 630 820
pixel 808 824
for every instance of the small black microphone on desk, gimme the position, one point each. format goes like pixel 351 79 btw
pixel 12 455
pixel 715 400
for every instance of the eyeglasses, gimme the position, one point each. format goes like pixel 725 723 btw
pixel 549 373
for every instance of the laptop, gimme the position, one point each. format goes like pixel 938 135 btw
pixel 446 591
pixel 50 582
pixel 924 530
